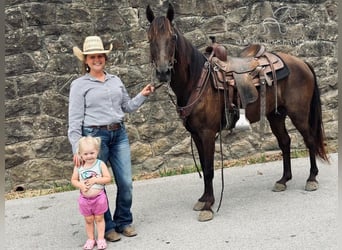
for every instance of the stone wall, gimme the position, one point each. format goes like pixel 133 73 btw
pixel 40 66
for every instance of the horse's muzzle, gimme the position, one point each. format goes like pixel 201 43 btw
pixel 163 75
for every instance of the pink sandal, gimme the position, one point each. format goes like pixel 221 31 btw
pixel 101 244
pixel 89 244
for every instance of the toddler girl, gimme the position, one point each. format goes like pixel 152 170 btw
pixel 90 178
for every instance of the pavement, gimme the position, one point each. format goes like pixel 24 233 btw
pixel 251 215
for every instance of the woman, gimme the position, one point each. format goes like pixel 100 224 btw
pixel 98 102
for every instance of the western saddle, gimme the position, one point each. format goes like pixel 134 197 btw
pixel 240 76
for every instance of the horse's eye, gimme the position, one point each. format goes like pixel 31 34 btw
pixel 174 37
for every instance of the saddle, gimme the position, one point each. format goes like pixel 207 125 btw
pixel 237 77
pixel 255 66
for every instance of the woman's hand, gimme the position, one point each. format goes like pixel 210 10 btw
pixel 147 90
pixel 77 160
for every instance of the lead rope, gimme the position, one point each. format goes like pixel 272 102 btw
pixel 222 177
pixel 193 157
pixel 191 139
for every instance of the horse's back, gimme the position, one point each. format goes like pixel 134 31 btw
pixel 298 88
pixel 300 72
pixel 296 64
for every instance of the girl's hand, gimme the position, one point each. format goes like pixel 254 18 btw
pixel 84 187
pixel 91 181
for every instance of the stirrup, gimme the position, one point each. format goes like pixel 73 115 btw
pixel 242 123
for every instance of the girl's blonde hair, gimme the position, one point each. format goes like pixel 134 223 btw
pixel 86 140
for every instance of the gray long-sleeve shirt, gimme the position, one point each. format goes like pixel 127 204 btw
pixel 96 103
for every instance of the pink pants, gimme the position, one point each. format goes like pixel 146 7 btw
pixel 93 205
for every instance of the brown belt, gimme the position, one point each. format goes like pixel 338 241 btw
pixel 113 126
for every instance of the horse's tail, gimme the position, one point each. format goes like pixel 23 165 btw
pixel 315 120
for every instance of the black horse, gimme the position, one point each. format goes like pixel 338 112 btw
pixel 178 62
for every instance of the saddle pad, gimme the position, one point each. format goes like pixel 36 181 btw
pixel 280 73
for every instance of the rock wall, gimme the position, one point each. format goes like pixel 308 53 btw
pixel 40 66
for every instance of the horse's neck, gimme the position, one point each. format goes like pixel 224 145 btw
pixel 182 81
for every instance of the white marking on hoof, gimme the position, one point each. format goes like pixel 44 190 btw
pixel 311 186
pixel 205 215
pixel 278 187
pixel 199 206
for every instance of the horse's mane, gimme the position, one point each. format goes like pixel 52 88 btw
pixel 195 57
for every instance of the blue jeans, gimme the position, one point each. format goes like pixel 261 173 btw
pixel 115 149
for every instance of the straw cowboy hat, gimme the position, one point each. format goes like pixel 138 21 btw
pixel 91 45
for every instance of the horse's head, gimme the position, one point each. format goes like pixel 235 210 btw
pixel 162 39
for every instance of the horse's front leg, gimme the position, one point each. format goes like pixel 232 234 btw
pixel 205 144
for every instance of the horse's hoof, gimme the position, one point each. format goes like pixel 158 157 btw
pixel 199 206
pixel 311 186
pixel 278 187
pixel 205 215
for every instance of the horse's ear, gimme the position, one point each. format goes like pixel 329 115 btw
pixel 149 14
pixel 170 13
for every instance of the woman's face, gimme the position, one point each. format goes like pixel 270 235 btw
pixel 96 62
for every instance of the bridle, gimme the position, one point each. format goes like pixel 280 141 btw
pixel 170 67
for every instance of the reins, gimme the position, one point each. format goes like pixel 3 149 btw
pixel 221 150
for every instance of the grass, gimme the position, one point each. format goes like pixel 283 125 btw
pixel 38 192
pixel 259 158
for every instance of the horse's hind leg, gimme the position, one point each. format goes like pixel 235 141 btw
pixel 312 183
pixel 302 126
pixel 277 124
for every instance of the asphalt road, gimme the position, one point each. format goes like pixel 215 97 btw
pixel 251 215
